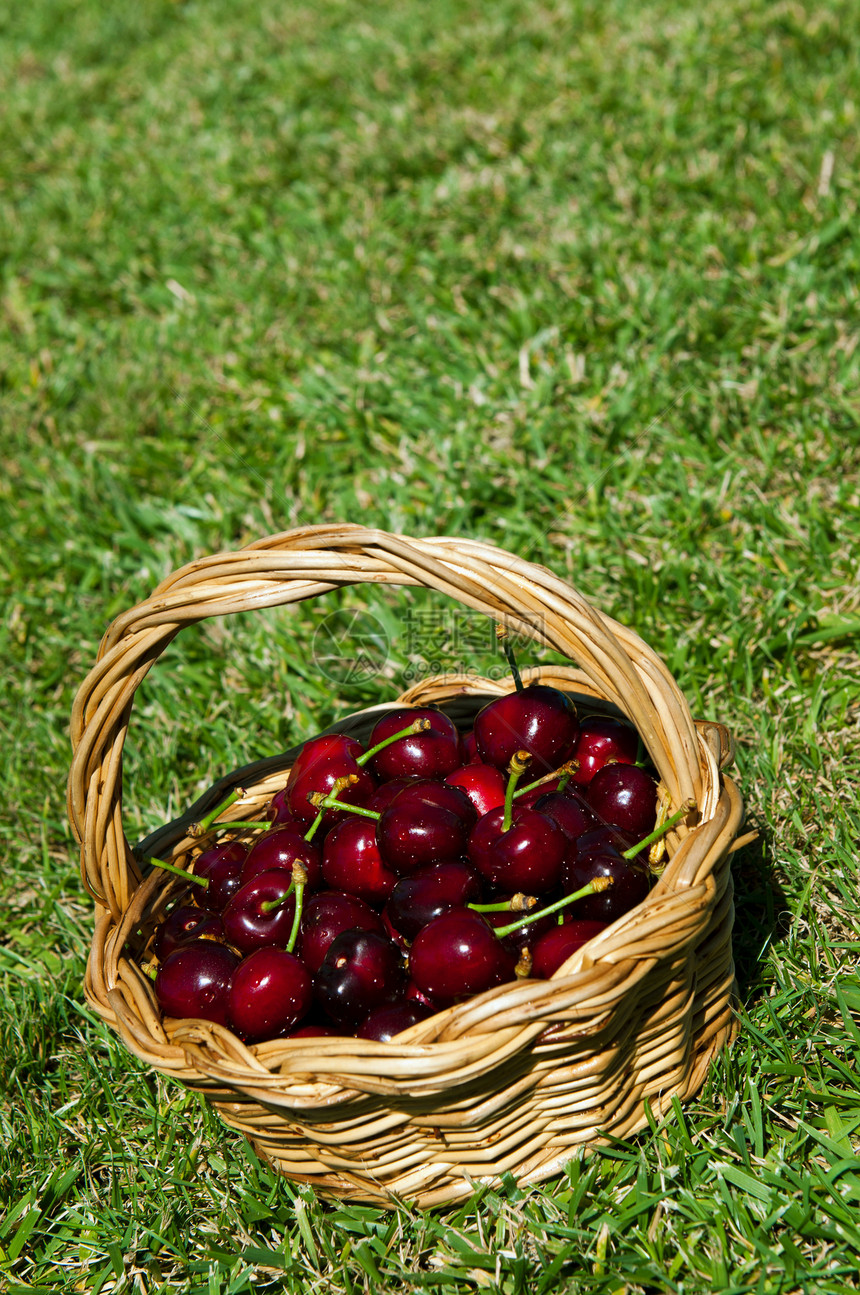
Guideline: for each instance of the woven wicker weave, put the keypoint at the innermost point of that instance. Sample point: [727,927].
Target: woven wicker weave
[513,1080]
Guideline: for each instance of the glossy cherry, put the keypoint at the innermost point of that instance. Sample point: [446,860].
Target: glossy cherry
[457,955]
[362,970]
[386,791]
[248,925]
[527,856]
[428,892]
[539,719]
[624,796]
[631,882]
[194,980]
[568,811]
[222,868]
[327,915]
[556,945]
[384,1023]
[484,784]
[601,739]
[352,861]
[282,848]
[185,923]
[432,753]
[428,822]
[270,993]
[277,811]
[322,762]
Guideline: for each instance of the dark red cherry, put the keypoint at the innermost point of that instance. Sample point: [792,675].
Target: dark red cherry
[186,923]
[540,720]
[384,1023]
[556,945]
[428,822]
[194,980]
[526,857]
[429,892]
[430,754]
[458,955]
[247,925]
[385,793]
[470,748]
[312,1032]
[321,762]
[327,915]
[278,813]
[569,812]
[281,849]
[631,884]
[626,797]
[270,993]
[415,995]
[361,971]
[222,868]
[602,739]
[352,861]
[484,784]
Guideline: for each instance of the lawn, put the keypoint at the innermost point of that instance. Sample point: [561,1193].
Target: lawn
[578,279]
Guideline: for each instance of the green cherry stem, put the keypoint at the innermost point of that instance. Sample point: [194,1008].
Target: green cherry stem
[269,905]
[417,726]
[203,825]
[179,872]
[502,636]
[659,832]
[240,825]
[519,762]
[563,773]
[518,903]
[300,880]
[593,888]
[319,801]
[312,830]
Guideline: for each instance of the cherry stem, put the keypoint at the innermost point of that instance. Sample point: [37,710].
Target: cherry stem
[563,773]
[310,833]
[659,832]
[203,825]
[519,761]
[237,823]
[594,887]
[502,636]
[300,880]
[518,903]
[417,726]
[179,872]
[320,801]
[269,905]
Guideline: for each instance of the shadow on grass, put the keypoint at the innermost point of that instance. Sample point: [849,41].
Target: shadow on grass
[762,914]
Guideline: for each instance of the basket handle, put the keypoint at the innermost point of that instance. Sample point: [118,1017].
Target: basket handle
[303,563]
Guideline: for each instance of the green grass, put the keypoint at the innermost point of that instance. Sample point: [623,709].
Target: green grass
[579,279]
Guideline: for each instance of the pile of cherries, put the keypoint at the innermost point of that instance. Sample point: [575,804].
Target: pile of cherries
[395,880]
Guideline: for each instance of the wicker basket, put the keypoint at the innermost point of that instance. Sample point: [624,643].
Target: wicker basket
[514,1080]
